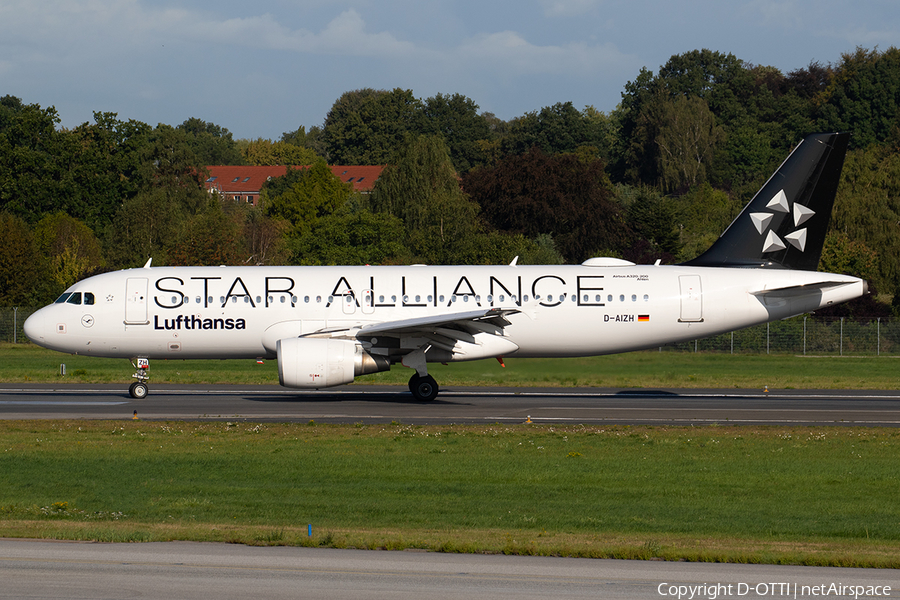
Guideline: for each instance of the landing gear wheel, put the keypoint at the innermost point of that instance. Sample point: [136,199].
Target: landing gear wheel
[424,389]
[138,390]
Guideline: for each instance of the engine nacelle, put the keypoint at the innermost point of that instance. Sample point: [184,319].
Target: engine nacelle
[313,363]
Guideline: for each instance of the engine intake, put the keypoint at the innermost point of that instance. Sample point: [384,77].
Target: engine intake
[313,363]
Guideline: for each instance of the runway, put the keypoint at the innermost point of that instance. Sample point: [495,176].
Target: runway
[371,404]
[187,570]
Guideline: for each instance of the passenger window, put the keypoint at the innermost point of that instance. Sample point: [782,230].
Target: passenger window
[75,298]
[89,298]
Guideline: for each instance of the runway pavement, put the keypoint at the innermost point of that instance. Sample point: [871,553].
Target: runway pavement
[352,404]
[188,571]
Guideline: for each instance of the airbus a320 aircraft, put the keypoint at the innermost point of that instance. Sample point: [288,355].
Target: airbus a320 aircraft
[328,325]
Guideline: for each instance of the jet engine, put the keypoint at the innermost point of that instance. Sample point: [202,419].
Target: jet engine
[312,363]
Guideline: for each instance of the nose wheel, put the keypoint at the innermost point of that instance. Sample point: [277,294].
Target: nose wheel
[138,390]
[423,388]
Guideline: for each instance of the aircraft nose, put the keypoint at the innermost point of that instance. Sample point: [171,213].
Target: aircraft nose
[35,327]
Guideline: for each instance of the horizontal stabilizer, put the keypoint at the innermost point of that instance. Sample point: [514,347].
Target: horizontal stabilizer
[796,291]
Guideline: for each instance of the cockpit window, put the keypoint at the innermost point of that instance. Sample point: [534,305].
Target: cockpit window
[75,298]
[89,298]
[63,298]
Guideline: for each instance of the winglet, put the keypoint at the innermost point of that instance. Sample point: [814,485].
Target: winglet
[784,226]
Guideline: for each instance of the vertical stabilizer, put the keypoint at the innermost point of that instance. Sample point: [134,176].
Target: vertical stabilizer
[784,226]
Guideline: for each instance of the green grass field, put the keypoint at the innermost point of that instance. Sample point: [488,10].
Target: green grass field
[820,495]
[650,369]
[823,495]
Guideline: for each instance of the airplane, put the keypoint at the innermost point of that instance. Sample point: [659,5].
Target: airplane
[328,325]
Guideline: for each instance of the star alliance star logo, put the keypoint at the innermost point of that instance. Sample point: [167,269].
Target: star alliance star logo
[797,238]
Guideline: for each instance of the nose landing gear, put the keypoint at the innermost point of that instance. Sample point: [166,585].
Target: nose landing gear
[139,390]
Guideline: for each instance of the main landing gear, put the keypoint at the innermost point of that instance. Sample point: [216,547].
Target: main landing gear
[423,388]
[139,390]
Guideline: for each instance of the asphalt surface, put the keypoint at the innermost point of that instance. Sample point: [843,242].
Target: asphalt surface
[353,404]
[188,571]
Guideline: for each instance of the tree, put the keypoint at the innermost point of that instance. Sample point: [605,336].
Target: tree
[146,226]
[864,96]
[867,209]
[420,187]
[653,217]
[456,119]
[302,196]
[265,152]
[19,262]
[70,247]
[687,139]
[365,127]
[212,144]
[556,129]
[311,139]
[349,237]
[212,237]
[561,195]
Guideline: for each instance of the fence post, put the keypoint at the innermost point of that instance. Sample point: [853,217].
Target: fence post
[842,336]
[15,324]
[804,335]
[767,338]
[878,339]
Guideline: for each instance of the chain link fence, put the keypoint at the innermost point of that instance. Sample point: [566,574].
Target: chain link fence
[11,321]
[800,335]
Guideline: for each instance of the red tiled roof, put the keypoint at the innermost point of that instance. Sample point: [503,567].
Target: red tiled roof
[249,180]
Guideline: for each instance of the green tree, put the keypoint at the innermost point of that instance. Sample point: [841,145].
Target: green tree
[653,217]
[867,209]
[302,196]
[687,140]
[864,96]
[421,188]
[212,237]
[702,214]
[556,129]
[19,263]
[212,144]
[69,246]
[349,237]
[146,226]
[365,127]
[455,118]
[311,139]
[266,152]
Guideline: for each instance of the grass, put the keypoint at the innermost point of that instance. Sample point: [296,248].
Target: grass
[21,363]
[822,495]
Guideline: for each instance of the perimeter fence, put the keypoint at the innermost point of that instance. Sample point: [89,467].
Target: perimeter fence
[799,335]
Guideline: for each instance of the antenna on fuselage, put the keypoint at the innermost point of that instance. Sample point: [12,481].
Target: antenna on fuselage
[149,260]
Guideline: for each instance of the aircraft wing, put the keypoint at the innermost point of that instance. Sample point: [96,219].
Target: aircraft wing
[472,334]
[491,320]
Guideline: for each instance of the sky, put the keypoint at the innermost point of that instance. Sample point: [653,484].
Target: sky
[267,67]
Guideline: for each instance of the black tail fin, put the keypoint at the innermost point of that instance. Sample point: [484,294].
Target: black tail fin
[784,226]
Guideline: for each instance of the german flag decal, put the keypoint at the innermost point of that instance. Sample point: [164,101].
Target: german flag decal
[643,318]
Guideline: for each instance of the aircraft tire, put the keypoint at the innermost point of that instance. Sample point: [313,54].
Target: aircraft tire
[138,390]
[424,389]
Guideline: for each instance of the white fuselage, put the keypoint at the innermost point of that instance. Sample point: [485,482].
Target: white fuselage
[242,312]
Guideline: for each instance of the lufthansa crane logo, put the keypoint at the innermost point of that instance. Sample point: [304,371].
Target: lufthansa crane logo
[780,204]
